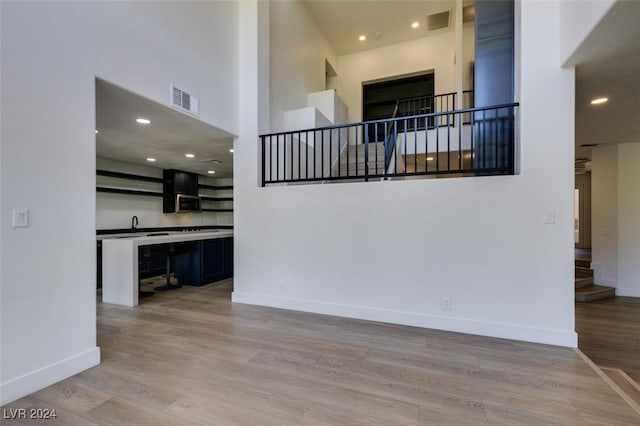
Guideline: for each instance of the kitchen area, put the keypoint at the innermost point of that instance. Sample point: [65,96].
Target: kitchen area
[164,196]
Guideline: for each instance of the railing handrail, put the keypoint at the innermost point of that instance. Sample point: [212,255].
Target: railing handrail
[383,120]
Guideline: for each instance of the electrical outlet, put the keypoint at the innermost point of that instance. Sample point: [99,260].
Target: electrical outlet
[446,303]
[20,218]
[283,288]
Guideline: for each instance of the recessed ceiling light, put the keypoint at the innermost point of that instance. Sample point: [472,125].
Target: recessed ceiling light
[151,159]
[598,101]
[143,121]
[211,172]
[189,155]
[231,150]
[362,37]
[415,25]
[429,158]
[96,132]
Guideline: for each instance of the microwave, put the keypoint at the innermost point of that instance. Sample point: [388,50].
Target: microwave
[187,203]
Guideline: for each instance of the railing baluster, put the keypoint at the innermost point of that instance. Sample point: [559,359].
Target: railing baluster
[415,145]
[384,142]
[448,143]
[394,146]
[347,143]
[262,139]
[365,129]
[496,162]
[331,153]
[321,153]
[306,157]
[484,140]
[339,148]
[426,149]
[375,130]
[299,154]
[472,119]
[460,150]
[437,130]
[356,148]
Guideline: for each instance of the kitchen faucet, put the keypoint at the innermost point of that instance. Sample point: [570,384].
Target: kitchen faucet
[134,223]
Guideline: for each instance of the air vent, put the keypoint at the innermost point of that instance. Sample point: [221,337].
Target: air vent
[211,160]
[184,101]
[591,145]
[438,21]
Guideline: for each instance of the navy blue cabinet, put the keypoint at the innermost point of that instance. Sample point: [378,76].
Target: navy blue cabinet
[205,261]
[152,260]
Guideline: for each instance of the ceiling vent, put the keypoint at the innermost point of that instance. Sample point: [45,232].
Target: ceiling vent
[438,21]
[184,101]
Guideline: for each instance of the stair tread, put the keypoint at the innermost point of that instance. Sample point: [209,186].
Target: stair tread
[594,289]
[581,282]
[583,272]
[594,292]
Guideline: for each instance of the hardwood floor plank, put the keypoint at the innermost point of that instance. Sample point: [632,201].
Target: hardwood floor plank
[609,333]
[190,356]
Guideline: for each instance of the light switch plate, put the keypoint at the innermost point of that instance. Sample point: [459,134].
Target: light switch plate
[20,218]
[549,218]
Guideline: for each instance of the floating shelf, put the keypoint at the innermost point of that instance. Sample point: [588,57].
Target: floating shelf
[128,191]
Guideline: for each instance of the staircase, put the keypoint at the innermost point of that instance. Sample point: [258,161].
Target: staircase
[586,290]
[352,164]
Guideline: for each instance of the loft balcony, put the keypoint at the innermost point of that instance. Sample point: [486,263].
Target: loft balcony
[425,137]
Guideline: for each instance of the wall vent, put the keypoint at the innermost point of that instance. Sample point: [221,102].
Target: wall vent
[184,101]
[438,21]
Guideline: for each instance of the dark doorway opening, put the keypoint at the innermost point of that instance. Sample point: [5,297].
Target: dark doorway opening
[379,99]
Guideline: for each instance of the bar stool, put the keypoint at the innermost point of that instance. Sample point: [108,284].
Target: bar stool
[169,250]
[146,256]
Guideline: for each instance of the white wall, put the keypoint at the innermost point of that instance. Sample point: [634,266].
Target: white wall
[435,53]
[615,213]
[51,55]
[629,220]
[298,54]
[604,215]
[577,19]
[391,251]
[114,211]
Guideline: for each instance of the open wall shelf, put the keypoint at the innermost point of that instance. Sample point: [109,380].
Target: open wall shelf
[132,177]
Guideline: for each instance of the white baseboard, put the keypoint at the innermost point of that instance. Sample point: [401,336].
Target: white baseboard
[34,381]
[460,325]
[628,291]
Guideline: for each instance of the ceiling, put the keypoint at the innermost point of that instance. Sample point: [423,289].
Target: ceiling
[608,65]
[383,22]
[170,135]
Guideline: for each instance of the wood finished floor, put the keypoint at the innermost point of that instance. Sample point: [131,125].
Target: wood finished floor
[609,333]
[191,357]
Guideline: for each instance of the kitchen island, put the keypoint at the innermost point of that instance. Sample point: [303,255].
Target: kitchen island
[120,260]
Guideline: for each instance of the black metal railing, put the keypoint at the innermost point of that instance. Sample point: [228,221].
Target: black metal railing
[409,107]
[483,145]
